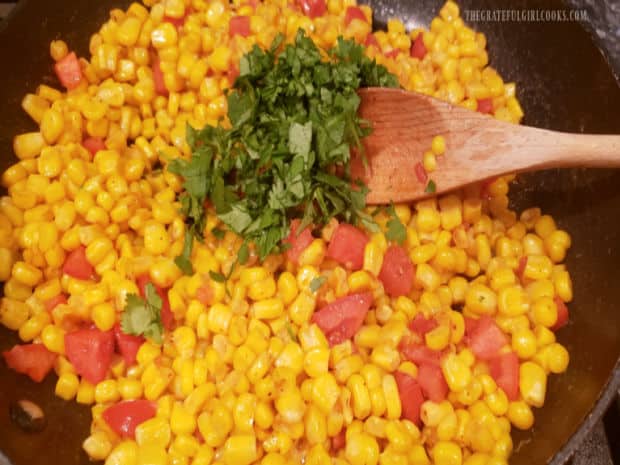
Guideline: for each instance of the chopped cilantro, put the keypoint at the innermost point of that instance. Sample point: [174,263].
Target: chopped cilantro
[143,316]
[396,231]
[430,187]
[218,233]
[317,282]
[219,277]
[184,261]
[294,119]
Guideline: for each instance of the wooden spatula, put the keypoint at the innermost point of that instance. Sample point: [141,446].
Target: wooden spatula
[478,146]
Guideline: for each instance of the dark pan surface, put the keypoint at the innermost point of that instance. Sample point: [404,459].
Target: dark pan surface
[563,84]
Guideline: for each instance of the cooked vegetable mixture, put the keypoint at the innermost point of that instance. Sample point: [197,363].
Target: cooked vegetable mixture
[182,245]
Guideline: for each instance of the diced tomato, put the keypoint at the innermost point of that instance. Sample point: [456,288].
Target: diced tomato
[158,77]
[205,294]
[420,173]
[77,265]
[93,145]
[90,351]
[470,325]
[339,441]
[33,360]
[127,345]
[521,267]
[354,12]
[341,319]
[233,73]
[421,325]
[298,241]
[486,340]
[433,384]
[397,271]
[313,8]
[420,354]
[485,186]
[167,317]
[51,304]
[239,25]
[411,397]
[418,49]
[176,22]
[371,40]
[392,53]
[505,371]
[125,416]
[347,246]
[68,71]
[484,105]
[562,314]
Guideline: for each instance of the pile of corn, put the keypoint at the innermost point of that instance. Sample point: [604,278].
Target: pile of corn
[246,378]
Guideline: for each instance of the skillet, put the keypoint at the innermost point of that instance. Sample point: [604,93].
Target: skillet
[563,83]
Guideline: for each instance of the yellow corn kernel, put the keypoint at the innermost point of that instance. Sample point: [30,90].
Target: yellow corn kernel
[98,446]
[125,453]
[362,449]
[325,392]
[106,391]
[391,396]
[26,274]
[28,145]
[438,338]
[182,421]
[513,301]
[524,343]
[532,384]
[67,386]
[155,431]
[240,450]
[457,373]
[520,415]
[85,393]
[480,300]
[438,145]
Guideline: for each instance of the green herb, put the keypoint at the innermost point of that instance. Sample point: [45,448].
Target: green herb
[243,254]
[294,120]
[430,187]
[291,332]
[219,277]
[396,231]
[317,282]
[184,261]
[218,233]
[143,316]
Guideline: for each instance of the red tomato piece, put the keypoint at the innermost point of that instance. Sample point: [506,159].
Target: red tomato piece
[470,325]
[418,49]
[93,145]
[392,53]
[239,25]
[371,40]
[433,384]
[397,271]
[205,294]
[422,325]
[51,304]
[69,71]
[298,241]
[339,441]
[341,319]
[233,73]
[176,22]
[158,77]
[411,397]
[313,8]
[484,105]
[354,12]
[90,352]
[505,371]
[420,173]
[125,416]
[420,354]
[33,360]
[486,340]
[127,345]
[167,317]
[347,246]
[521,267]
[562,314]
[77,265]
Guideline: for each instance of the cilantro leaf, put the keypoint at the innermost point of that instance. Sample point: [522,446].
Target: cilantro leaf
[431,187]
[143,316]
[294,122]
[184,261]
[218,277]
[397,231]
[317,282]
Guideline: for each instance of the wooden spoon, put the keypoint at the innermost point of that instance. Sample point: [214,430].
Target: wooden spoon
[478,146]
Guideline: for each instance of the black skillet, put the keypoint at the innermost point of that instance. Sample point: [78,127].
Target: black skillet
[563,84]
